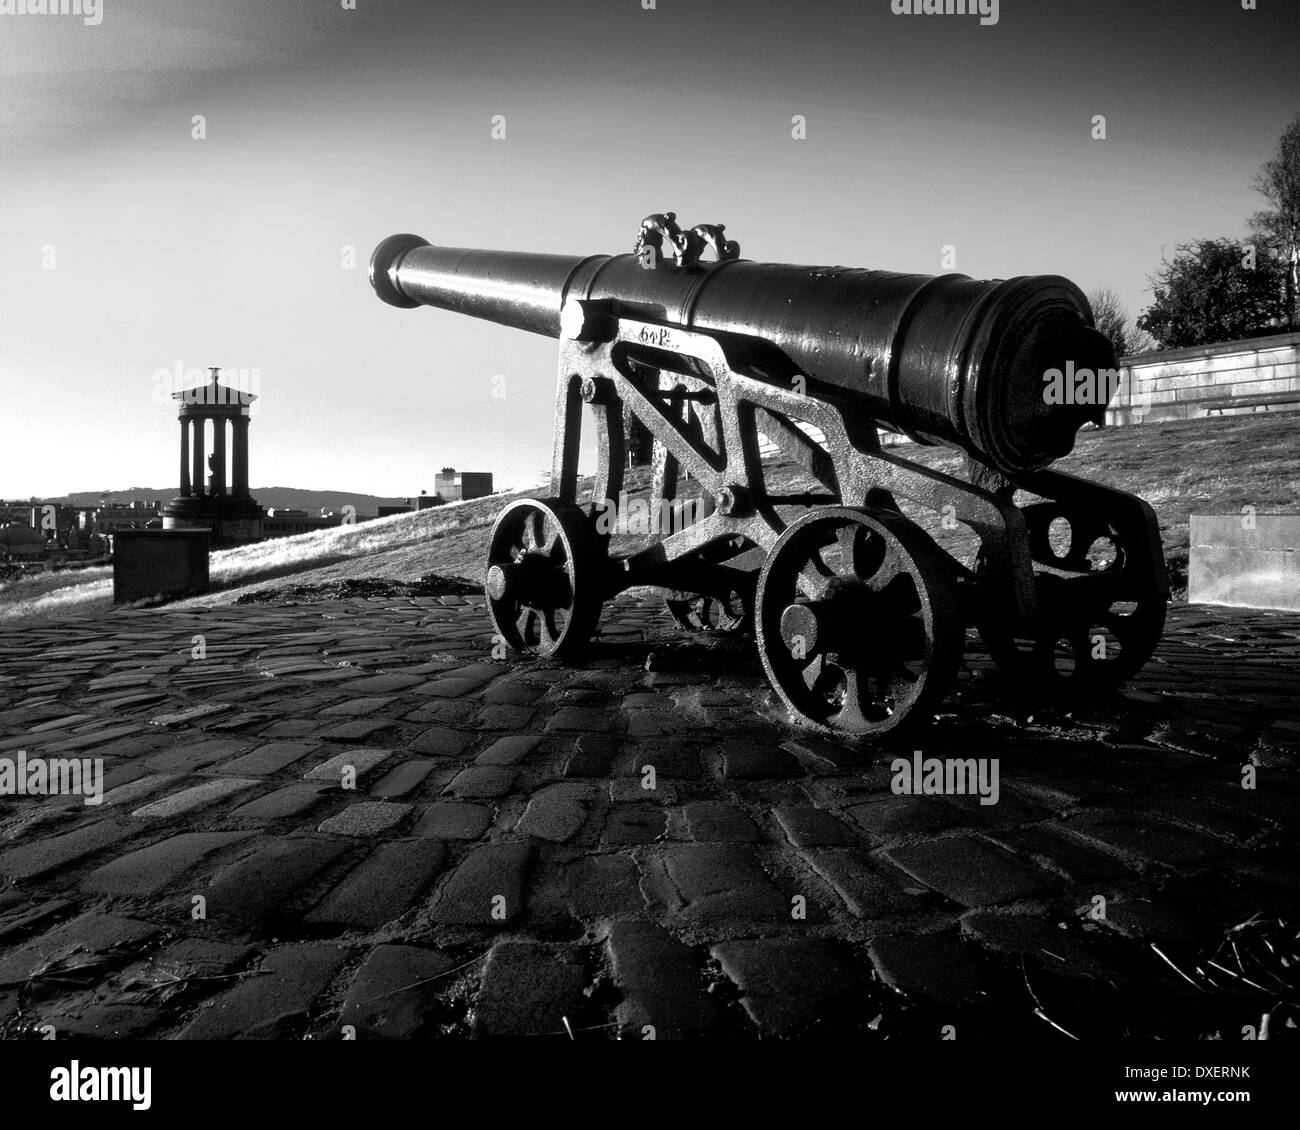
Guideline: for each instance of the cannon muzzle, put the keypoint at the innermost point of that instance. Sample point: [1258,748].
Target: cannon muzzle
[1007,370]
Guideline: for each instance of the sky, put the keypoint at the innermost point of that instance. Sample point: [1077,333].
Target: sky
[131,250]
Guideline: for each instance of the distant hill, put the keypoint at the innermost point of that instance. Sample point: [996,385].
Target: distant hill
[289,497]
[1209,465]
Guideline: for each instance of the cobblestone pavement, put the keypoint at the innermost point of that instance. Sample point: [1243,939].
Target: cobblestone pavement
[346,819]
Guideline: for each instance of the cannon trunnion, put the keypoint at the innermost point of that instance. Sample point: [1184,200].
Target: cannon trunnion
[859,616]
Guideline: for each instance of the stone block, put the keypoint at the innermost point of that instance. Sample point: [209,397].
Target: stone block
[149,563]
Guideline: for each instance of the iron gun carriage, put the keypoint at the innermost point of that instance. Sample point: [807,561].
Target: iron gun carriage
[860,617]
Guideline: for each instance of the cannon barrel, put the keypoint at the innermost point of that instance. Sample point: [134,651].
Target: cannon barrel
[943,358]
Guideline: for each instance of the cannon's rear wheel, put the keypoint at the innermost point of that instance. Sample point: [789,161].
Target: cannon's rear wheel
[543,577]
[1085,639]
[1097,625]
[857,621]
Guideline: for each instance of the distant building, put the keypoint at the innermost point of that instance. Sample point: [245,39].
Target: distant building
[52,519]
[451,485]
[58,529]
[427,500]
[15,512]
[50,531]
[114,516]
[20,542]
[283,522]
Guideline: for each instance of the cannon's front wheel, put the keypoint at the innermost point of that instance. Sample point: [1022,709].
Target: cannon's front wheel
[857,621]
[543,577]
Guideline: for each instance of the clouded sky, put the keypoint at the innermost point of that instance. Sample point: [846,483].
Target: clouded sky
[329,128]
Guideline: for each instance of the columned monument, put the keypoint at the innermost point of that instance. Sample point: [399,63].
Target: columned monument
[214,501]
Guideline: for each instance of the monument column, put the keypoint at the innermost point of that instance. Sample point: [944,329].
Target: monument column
[218,455]
[185,458]
[198,455]
[225,508]
[239,454]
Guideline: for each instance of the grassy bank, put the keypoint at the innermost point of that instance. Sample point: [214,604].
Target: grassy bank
[1208,466]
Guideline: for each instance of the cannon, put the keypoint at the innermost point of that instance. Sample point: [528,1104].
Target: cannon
[860,617]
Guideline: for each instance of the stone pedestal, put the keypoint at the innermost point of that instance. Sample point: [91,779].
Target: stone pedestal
[1245,561]
[151,563]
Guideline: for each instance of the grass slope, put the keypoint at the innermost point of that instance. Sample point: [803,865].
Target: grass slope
[1206,466]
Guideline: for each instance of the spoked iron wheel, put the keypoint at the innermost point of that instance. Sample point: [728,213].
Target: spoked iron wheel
[543,577]
[857,621]
[1085,639]
[1094,630]
[711,613]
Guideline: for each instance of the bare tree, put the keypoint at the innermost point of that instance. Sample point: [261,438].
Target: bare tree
[1278,227]
[1112,320]
[1139,341]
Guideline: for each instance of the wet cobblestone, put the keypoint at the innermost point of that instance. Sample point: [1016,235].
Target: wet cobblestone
[387,829]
